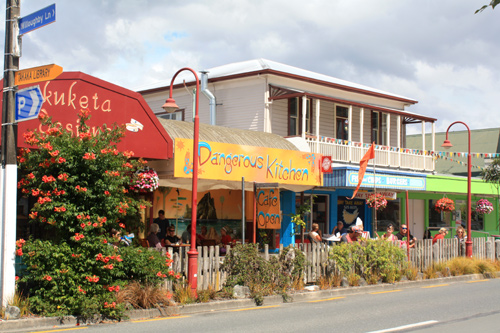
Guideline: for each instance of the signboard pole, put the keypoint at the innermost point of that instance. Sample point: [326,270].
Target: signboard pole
[8,193]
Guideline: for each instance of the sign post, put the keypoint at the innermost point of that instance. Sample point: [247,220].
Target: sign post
[28,103]
[37,74]
[37,19]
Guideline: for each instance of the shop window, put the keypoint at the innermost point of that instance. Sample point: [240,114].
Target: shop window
[342,122]
[438,219]
[375,127]
[389,215]
[295,116]
[477,220]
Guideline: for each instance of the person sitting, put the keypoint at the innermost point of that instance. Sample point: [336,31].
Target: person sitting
[212,234]
[186,235]
[402,235]
[352,235]
[442,232]
[172,239]
[225,237]
[339,230]
[202,235]
[460,234]
[152,237]
[163,223]
[314,235]
[389,236]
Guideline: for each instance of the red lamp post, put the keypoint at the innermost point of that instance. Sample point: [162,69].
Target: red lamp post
[170,107]
[447,144]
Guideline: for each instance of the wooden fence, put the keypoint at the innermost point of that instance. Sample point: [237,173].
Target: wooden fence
[423,255]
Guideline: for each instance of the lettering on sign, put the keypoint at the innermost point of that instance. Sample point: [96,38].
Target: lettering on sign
[268,209]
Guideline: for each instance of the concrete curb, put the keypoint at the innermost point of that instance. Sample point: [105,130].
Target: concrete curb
[70,321]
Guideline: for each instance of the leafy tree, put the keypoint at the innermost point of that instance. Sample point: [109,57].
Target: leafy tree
[80,189]
[493,3]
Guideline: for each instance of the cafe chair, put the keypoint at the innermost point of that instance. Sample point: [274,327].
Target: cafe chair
[208,242]
[144,242]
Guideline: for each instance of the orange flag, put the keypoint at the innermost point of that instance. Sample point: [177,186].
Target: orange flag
[362,167]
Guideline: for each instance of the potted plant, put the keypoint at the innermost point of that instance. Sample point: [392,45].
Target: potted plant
[444,205]
[377,201]
[483,206]
[145,180]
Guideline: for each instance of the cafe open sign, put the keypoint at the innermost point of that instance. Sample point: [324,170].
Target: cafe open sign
[268,209]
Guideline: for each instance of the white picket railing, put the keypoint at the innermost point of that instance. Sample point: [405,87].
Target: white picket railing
[390,157]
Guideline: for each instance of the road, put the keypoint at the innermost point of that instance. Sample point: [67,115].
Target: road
[451,307]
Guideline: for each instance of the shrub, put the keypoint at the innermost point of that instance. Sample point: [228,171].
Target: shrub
[80,188]
[371,260]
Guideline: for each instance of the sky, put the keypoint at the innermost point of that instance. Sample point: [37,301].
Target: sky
[437,52]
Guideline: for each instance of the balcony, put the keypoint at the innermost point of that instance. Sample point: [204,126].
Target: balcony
[387,157]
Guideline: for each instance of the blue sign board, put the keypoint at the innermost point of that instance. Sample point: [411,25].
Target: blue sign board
[37,19]
[28,103]
[386,181]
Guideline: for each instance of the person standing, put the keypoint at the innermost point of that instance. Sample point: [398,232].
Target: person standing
[162,222]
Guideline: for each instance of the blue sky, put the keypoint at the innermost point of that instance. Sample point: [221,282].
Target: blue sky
[437,52]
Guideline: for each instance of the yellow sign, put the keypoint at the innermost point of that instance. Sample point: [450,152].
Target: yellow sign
[268,209]
[224,161]
[37,74]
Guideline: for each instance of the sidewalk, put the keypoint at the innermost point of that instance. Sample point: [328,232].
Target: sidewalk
[31,324]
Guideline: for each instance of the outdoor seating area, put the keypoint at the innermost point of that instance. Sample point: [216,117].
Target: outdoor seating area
[422,255]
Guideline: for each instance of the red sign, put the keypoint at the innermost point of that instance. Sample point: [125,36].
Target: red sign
[71,92]
[326,164]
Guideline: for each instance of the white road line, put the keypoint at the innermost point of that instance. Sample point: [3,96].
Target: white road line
[395,329]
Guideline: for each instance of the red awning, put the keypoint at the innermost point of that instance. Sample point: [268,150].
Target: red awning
[70,92]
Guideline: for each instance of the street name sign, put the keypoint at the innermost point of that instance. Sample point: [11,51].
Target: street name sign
[37,19]
[37,74]
[28,103]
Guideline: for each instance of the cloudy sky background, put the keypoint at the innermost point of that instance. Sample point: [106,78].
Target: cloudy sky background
[435,51]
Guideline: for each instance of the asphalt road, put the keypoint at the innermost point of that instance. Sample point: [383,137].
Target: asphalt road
[449,307]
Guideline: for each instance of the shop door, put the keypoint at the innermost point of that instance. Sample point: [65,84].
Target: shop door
[417,217]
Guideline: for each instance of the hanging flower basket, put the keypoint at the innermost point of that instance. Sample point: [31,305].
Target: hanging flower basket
[145,180]
[444,205]
[376,201]
[483,206]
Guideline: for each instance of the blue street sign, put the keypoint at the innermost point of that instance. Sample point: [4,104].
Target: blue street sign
[37,19]
[28,103]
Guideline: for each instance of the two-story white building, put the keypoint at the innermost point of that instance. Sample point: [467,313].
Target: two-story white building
[319,114]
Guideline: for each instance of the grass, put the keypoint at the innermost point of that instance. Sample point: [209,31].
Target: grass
[18,300]
[183,293]
[144,296]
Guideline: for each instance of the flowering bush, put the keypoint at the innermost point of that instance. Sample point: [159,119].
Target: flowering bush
[80,189]
[483,206]
[145,181]
[444,205]
[376,200]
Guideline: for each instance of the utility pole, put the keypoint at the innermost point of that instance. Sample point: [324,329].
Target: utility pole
[8,177]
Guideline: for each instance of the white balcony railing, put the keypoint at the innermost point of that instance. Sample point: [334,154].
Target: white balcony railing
[388,157]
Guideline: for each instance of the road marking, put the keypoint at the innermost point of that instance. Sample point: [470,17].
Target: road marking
[62,329]
[399,328]
[155,319]
[385,292]
[436,285]
[477,281]
[327,299]
[257,308]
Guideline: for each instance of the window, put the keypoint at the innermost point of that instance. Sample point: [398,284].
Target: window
[295,116]
[384,131]
[177,115]
[342,122]
[375,127]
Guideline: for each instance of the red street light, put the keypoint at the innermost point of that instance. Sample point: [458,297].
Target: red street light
[170,107]
[447,144]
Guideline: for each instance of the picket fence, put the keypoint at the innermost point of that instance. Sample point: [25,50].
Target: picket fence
[423,255]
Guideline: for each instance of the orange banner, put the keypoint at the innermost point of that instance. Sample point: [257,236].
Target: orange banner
[268,209]
[224,161]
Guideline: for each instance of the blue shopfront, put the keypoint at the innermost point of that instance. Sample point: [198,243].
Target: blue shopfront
[332,202]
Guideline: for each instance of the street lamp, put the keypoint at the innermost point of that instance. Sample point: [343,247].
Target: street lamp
[447,144]
[170,107]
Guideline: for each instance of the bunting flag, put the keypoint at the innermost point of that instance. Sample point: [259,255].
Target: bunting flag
[370,154]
